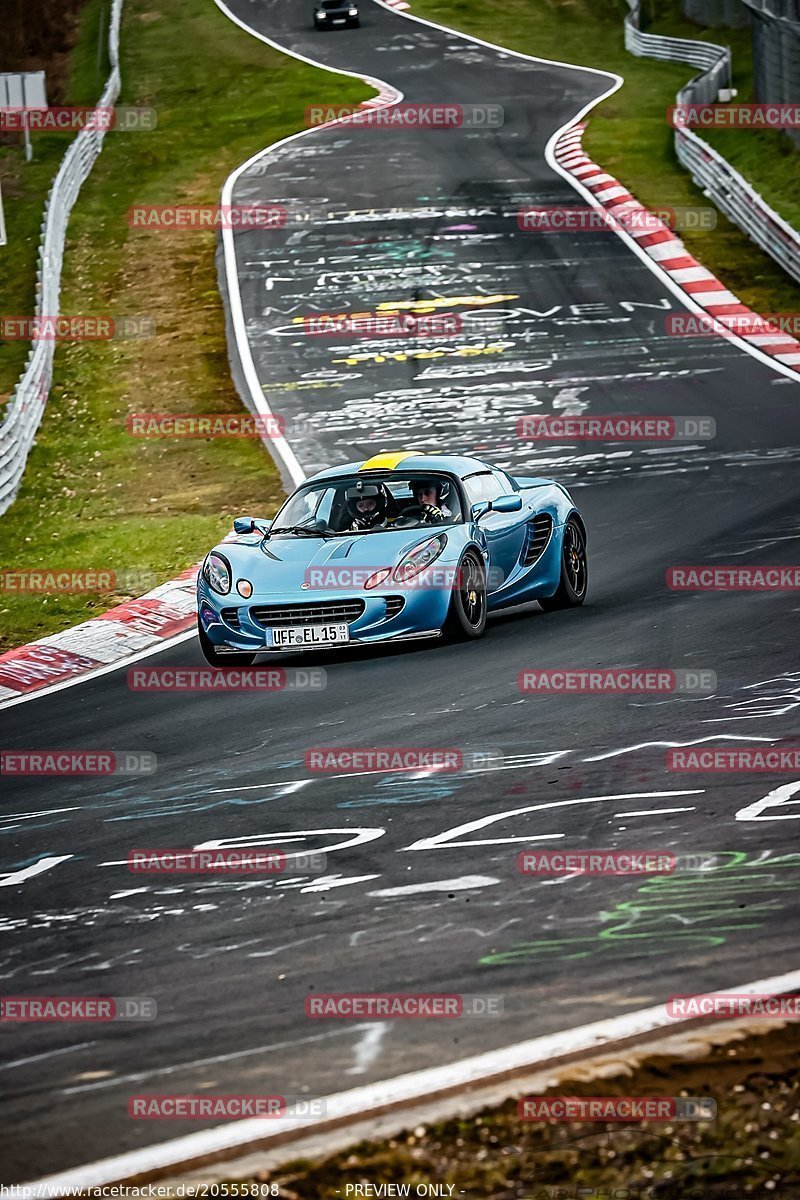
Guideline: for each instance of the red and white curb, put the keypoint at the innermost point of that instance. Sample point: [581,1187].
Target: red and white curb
[668,252]
[400,5]
[129,630]
[386,95]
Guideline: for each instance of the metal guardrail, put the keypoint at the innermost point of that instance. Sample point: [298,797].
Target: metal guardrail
[26,406]
[731,193]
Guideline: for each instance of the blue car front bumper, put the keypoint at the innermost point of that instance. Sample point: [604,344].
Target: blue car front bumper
[233,624]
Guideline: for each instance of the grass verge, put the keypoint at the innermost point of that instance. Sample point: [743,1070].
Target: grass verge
[92,496]
[751,1149]
[628,134]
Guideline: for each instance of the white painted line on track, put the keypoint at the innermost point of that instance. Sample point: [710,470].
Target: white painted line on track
[653,812]
[464,884]
[32,1058]
[714,737]
[194,1064]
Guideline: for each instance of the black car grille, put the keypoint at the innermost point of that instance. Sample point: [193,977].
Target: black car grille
[394,605]
[231,617]
[308,614]
[537,535]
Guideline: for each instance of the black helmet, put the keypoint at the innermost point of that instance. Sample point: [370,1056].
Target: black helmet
[366,491]
[439,485]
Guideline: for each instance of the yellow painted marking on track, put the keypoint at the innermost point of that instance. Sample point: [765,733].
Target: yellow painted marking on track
[428,306]
[354,360]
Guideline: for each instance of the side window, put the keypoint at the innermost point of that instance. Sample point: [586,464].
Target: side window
[504,482]
[484,486]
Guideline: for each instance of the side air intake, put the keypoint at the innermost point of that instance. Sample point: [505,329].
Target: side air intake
[537,536]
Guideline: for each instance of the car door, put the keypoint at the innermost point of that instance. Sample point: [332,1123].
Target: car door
[504,532]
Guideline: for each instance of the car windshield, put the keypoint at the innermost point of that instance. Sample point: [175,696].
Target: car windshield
[369,504]
[334,4]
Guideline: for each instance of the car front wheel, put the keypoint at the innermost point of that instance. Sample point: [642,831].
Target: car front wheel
[467,616]
[215,659]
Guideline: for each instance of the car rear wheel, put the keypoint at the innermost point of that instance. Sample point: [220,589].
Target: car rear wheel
[574,570]
[215,659]
[467,616]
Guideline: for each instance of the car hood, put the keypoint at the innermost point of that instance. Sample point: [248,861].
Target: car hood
[274,564]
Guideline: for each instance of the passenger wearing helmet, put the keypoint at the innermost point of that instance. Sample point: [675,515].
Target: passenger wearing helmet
[366,506]
[428,495]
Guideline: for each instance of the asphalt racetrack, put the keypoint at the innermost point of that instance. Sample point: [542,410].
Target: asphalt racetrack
[423,891]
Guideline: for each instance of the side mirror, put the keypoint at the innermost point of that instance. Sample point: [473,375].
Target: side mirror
[251,525]
[507,504]
[503,504]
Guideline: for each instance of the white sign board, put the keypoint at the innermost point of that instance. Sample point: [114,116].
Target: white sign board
[23,90]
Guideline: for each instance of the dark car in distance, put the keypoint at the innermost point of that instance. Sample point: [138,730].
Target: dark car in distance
[335,12]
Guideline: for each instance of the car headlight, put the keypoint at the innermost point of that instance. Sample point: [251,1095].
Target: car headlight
[217,573]
[419,558]
[322,15]
[352,12]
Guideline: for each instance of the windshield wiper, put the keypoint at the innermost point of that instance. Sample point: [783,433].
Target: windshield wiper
[308,530]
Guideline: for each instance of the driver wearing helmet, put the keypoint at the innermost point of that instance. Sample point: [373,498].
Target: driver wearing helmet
[428,495]
[367,505]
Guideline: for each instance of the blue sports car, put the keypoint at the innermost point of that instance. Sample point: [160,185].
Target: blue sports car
[405,545]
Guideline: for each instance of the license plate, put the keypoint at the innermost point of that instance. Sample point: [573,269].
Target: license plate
[308,635]
[338,20]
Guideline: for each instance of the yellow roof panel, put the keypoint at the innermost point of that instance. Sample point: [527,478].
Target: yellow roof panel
[387,460]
